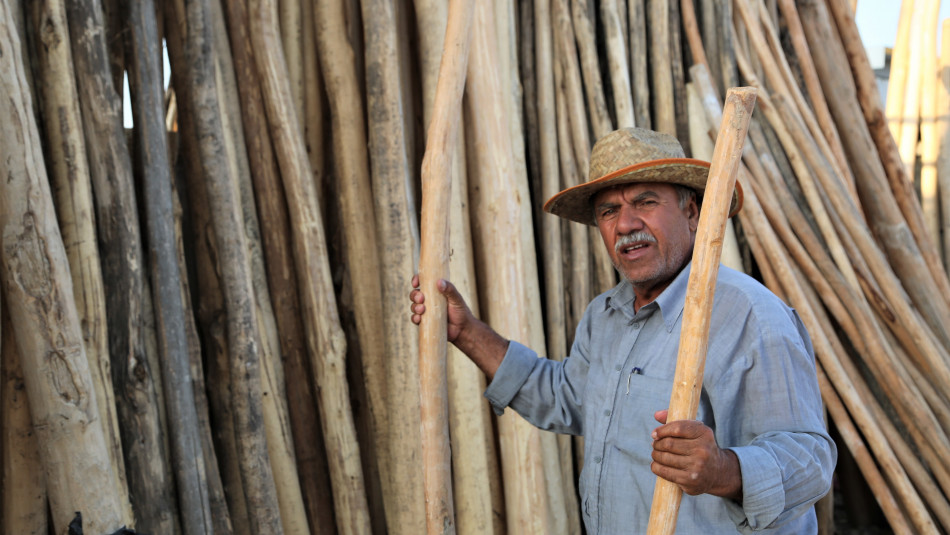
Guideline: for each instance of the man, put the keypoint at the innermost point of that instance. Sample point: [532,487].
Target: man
[758,456]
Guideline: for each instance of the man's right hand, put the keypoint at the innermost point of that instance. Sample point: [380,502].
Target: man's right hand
[457,312]
[472,336]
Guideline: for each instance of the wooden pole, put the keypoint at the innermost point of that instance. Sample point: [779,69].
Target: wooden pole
[325,339]
[478,498]
[274,401]
[687,380]
[929,144]
[590,68]
[39,296]
[497,210]
[433,265]
[23,482]
[661,73]
[135,381]
[618,65]
[891,212]
[282,276]
[71,186]
[943,132]
[186,456]
[639,71]
[897,76]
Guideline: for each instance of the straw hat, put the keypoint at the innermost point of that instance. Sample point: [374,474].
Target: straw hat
[633,155]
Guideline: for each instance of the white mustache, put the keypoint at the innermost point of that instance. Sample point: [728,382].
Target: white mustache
[633,237]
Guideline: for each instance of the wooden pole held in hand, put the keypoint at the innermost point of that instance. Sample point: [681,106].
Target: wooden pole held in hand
[694,337]
[433,265]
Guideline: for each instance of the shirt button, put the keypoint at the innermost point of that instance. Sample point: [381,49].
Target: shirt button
[597,459]
[636,325]
[606,412]
[619,367]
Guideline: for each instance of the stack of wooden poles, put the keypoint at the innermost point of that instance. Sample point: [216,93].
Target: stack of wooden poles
[205,321]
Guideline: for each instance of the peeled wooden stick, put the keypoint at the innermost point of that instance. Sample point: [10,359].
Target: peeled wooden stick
[433,264]
[691,360]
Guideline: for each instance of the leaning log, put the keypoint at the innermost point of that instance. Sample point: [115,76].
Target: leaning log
[325,339]
[39,295]
[136,383]
[282,277]
[186,457]
[69,179]
[23,483]
[497,212]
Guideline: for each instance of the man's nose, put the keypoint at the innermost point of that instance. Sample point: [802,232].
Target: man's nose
[629,220]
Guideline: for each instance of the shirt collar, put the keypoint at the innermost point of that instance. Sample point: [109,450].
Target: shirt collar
[670,301]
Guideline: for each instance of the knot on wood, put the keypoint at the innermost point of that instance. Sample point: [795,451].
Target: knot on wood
[62,369]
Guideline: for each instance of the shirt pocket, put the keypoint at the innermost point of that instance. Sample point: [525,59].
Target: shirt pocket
[635,407]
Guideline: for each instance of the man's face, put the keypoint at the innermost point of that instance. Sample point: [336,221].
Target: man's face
[648,236]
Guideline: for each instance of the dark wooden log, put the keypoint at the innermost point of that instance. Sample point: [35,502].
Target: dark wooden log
[110,167]
[186,455]
[282,276]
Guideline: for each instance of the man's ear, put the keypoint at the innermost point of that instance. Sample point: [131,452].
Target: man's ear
[692,213]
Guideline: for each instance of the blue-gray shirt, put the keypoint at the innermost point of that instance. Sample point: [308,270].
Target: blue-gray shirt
[760,395]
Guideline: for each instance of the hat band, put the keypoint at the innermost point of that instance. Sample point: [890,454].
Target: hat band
[651,163]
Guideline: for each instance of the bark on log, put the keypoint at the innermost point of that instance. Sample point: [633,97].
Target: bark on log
[70,183]
[23,487]
[186,457]
[639,71]
[134,381]
[423,497]
[586,44]
[661,74]
[276,420]
[906,254]
[243,334]
[211,318]
[901,185]
[282,276]
[39,296]
[325,340]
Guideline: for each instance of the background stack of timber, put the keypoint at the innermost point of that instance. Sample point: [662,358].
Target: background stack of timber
[204,317]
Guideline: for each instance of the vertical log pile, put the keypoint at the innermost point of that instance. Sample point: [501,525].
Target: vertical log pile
[203,310]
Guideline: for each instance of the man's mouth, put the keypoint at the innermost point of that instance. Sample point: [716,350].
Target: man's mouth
[630,243]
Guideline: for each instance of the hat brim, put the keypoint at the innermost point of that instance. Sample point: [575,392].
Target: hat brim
[574,203]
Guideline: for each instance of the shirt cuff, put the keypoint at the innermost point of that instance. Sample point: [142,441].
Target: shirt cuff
[763,496]
[512,373]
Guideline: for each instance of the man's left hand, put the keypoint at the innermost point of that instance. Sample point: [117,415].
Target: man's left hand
[685,452]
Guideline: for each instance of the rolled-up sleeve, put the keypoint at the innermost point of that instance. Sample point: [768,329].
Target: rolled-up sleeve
[511,375]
